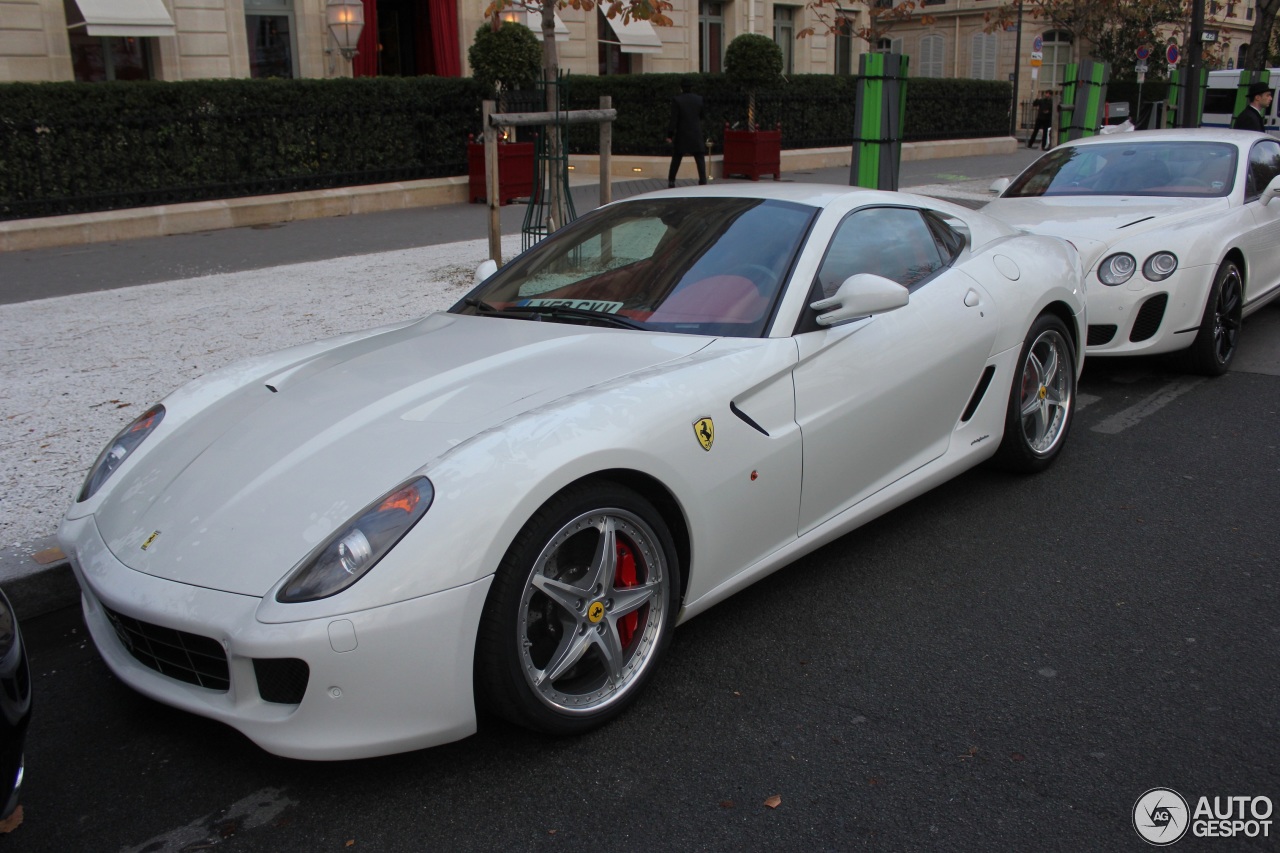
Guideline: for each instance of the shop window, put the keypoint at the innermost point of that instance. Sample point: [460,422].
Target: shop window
[97,58]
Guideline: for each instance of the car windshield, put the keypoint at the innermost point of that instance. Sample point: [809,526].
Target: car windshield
[693,265]
[1185,169]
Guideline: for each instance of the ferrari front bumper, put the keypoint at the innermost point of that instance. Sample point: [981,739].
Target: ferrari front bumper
[378,681]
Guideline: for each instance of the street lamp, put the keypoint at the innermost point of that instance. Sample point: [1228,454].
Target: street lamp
[346,21]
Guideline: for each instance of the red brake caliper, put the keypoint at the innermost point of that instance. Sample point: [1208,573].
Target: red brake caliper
[625,576]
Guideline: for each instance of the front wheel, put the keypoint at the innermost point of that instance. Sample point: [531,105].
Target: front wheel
[580,610]
[1214,348]
[1042,400]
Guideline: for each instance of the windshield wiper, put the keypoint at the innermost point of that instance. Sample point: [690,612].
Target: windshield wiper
[569,311]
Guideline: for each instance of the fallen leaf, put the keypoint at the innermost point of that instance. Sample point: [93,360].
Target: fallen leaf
[726,804]
[12,822]
[773,802]
[350,843]
[1017,756]
[551,832]
[873,781]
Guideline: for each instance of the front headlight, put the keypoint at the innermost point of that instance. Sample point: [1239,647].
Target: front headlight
[1117,269]
[119,448]
[1160,266]
[357,546]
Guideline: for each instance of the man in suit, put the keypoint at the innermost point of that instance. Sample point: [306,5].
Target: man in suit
[684,131]
[1253,116]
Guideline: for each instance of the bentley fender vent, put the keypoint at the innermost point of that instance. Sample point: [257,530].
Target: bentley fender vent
[1149,317]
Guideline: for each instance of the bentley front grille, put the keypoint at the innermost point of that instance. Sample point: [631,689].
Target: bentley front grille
[187,657]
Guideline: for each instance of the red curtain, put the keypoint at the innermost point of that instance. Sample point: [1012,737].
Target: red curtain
[365,63]
[444,38]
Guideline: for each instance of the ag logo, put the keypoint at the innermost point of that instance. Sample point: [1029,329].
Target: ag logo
[595,612]
[1160,816]
[705,430]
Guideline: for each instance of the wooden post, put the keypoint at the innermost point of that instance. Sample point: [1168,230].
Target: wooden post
[491,183]
[606,153]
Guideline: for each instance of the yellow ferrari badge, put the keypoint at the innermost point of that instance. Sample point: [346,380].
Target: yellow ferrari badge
[1044,392]
[705,430]
[150,539]
[595,612]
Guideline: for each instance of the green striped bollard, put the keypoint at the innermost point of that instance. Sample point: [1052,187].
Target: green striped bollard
[1178,92]
[1083,97]
[878,120]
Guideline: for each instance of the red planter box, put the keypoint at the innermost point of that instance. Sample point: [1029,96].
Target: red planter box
[752,153]
[515,171]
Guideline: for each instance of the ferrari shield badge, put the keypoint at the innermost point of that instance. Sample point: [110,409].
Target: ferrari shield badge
[705,430]
[150,539]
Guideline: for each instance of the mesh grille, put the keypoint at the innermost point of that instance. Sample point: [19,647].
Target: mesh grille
[1149,317]
[1099,335]
[282,681]
[177,654]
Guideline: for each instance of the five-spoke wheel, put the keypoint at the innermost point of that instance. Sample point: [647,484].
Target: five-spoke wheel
[1042,400]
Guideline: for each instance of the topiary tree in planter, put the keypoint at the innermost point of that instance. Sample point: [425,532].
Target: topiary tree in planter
[753,61]
[506,58]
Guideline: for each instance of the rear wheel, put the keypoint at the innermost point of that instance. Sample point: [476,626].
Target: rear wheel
[1042,400]
[1214,348]
[579,612]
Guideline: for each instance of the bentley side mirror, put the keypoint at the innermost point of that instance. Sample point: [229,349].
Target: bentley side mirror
[1272,191]
[487,268]
[999,185]
[858,296]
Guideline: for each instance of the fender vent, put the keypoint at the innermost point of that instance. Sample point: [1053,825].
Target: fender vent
[1099,335]
[282,681]
[1149,317]
[978,393]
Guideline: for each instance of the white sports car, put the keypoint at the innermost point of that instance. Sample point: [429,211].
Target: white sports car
[344,548]
[1177,229]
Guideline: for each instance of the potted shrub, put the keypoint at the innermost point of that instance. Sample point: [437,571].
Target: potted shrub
[504,59]
[753,62]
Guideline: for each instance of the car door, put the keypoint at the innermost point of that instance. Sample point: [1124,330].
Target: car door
[878,397]
[1261,246]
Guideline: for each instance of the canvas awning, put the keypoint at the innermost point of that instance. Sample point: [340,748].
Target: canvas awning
[635,36]
[532,18]
[120,17]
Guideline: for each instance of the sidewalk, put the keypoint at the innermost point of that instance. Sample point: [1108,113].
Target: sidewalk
[94,333]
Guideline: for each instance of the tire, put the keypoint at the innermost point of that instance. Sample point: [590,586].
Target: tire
[574,626]
[1042,399]
[1214,348]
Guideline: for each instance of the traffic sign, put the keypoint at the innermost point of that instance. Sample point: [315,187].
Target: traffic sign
[1171,55]
[1140,67]
[1144,52]
[1037,45]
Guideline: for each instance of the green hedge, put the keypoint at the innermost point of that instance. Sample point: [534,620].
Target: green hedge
[68,147]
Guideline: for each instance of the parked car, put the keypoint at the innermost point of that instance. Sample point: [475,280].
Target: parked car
[15,708]
[343,548]
[1177,229]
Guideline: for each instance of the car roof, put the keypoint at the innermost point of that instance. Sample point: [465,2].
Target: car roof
[815,195]
[1240,138]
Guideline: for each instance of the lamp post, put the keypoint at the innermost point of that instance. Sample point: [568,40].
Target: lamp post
[346,21]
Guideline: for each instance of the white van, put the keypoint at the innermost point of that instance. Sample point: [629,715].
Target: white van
[1220,100]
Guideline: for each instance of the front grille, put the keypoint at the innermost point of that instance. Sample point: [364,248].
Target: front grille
[1149,317]
[1099,335]
[282,681]
[177,654]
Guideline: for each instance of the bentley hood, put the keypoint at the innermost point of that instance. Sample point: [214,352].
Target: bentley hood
[234,496]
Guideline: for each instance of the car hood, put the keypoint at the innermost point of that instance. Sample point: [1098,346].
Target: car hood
[1094,222]
[235,496]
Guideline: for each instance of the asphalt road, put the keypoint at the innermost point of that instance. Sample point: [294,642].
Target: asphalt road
[41,273]
[1005,663]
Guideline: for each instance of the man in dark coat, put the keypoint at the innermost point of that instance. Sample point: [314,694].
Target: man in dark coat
[1253,116]
[684,132]
[1044,119]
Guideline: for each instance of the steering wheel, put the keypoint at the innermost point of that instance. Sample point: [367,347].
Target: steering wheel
[763,277]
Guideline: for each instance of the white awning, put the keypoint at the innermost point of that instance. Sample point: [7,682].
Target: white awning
[532,18]
[635,36]
[121,18]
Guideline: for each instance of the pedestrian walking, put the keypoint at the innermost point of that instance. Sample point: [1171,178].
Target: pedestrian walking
[684,132]
[1044,119]
[1253,116]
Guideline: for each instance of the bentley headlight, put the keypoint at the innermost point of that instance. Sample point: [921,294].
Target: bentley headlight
[1117,269]
[1160,266]
[357,546]
[119,449]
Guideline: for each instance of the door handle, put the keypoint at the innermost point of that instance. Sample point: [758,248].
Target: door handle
[971,298]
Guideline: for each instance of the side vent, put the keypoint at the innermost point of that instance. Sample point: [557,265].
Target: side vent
[978,393]
[733,407]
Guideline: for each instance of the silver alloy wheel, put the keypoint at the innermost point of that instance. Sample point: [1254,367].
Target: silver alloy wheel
[1047,392]
[592,611]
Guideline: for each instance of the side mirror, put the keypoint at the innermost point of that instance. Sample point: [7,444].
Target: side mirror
[858,296]
[999,185]
[1272,191]
[487,268]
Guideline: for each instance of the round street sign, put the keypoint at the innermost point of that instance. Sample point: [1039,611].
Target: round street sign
[1144,52]
[1038,44]
[1171,55]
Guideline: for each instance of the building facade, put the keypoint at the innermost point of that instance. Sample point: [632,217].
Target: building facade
[91,40]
